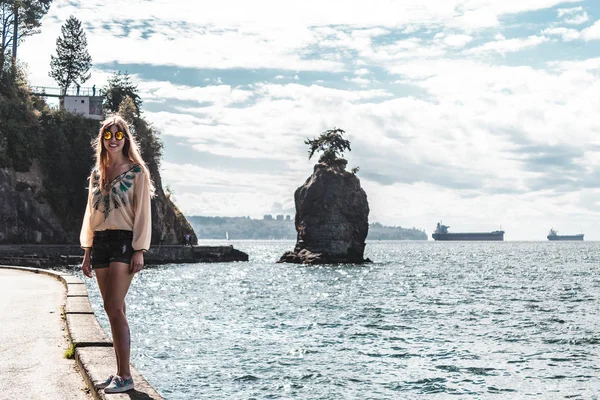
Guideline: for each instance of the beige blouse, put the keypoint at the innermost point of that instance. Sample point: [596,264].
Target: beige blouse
[124,204]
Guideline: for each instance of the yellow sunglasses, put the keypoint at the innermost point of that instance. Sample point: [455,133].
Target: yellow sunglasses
[118,135]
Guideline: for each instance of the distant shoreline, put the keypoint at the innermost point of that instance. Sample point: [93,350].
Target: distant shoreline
[281,227]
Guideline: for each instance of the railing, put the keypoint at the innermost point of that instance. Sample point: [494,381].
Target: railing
[57,92]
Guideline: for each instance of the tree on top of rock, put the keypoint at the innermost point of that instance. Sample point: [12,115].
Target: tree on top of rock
[331,143]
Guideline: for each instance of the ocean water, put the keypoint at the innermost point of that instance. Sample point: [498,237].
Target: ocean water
[435,320]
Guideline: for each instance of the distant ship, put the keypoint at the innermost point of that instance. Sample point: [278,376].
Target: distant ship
[553,235]
[441,233]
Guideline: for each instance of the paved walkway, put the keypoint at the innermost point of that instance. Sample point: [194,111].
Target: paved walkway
[33,338]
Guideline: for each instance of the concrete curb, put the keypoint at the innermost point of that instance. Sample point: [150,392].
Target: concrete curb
[93,349]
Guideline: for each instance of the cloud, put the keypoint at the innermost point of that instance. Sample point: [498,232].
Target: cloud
[457,40]
[477,19]
[508,45]
[465,138]
[236,35]
[362,71]
[573,16]
[578,20]
[567,34]
[592,33]
[363,82]
[223,95]
[376,13]
[569,11]
[207,191]
[474,120]
[588,65]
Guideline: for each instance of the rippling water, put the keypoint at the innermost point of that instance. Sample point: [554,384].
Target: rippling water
[466,320]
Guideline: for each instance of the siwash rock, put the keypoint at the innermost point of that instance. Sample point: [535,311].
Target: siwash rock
[331,217]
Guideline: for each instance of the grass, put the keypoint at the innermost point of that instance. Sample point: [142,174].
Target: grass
[70,352]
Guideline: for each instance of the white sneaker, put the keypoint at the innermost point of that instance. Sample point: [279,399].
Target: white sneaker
[118,385]
[104,384]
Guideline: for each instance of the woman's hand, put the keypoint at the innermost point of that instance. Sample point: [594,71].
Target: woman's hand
[85,265]
[137,261]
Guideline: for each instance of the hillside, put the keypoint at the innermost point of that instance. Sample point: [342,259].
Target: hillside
[45,160]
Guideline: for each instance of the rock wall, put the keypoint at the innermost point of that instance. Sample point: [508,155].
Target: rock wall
[27,217]
[169,225]
[331,217]
[24,215]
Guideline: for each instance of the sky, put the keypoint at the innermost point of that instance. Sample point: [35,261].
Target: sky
[482,114]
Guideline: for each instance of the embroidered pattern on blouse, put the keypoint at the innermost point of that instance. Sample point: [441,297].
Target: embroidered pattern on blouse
[115,195]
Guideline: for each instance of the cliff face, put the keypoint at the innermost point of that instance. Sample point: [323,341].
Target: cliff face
[169,225]
[331,217]
[27,217]
[24,215]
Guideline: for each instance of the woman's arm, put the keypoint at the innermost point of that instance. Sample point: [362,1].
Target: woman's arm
[137,262]
[86,237]
[142,223]
[85,265]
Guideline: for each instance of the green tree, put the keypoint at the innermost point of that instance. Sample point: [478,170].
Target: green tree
[18,19]
[19,141]
[118,87]
[150,144]
[127,110]
[72,62]
[331,143]
[65,158]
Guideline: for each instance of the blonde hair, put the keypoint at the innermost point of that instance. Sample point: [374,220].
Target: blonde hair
[131,150]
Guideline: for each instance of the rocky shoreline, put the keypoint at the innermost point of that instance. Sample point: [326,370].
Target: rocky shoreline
[35,255]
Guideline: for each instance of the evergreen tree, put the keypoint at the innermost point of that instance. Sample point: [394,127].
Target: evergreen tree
[151,145]
[118,88]
[73,62]
[127,110]
[331,143]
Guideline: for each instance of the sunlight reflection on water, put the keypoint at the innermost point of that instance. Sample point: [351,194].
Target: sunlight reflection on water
[473,319]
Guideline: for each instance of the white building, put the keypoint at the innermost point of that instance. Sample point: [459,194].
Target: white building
[88,106]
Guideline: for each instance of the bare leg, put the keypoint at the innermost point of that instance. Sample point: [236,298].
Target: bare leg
[118,281]
[102,278]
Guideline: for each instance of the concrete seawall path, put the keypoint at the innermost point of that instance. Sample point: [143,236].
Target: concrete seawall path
[40,317]
[33,339]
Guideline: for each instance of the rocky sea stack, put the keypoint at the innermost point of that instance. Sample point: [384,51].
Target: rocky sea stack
[331,209]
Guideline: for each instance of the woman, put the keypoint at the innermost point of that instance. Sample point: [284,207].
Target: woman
[116,231]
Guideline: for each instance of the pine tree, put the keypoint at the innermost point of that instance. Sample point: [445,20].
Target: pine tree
[73,62]
[128,111]
[118,88]
[331,143]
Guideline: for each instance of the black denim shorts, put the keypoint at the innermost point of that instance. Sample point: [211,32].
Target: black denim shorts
[111,246]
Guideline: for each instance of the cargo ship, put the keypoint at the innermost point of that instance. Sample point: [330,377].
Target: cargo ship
[553,235]
[441,233]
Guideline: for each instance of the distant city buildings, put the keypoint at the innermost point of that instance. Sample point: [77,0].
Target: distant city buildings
[278,217]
